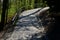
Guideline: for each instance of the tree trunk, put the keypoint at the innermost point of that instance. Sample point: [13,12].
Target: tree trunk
[5,6]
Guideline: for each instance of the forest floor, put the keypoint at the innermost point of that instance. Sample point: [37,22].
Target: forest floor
[27,27]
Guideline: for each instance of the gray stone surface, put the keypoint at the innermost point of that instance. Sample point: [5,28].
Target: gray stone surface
[27,28]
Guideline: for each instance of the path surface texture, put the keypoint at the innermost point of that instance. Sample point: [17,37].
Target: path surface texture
[27,27]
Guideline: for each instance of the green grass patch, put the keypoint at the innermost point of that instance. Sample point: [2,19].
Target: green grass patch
[11,12]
